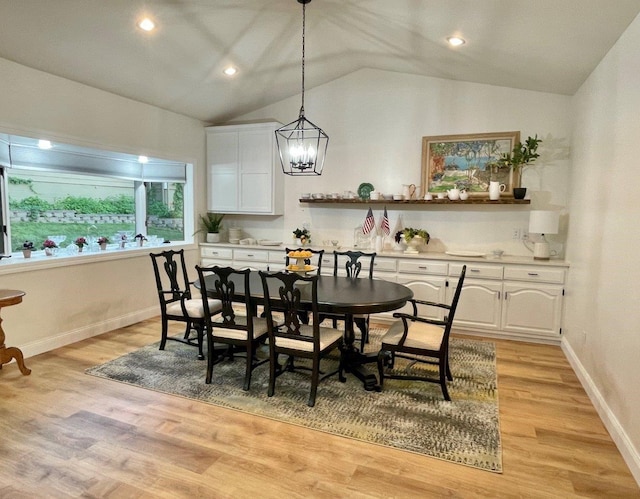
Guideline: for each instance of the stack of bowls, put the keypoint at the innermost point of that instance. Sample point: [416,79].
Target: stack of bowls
[234,235]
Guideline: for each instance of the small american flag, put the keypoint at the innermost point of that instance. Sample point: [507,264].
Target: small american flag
[384,225]
[369,223]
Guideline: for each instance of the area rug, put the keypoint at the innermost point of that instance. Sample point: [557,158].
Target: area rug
[407,415]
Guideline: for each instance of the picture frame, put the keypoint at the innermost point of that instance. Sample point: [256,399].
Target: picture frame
[460,161]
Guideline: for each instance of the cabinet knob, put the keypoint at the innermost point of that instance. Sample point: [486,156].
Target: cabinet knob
[532,273]
[423,267]
[474,270]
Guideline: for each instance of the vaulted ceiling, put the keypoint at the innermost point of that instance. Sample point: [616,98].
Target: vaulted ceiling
[545,45]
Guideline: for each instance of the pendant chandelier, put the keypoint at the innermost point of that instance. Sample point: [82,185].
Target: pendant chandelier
[301,144]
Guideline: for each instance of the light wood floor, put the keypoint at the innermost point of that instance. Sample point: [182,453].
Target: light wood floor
[67,434]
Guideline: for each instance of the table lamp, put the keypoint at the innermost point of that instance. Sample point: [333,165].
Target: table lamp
[543,222]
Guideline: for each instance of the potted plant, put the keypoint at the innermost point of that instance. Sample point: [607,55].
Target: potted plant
[140,239]
[80,242]
[49,247]
[302,236]
[521,156]
[211,224]
[102,242]
[415,239]
[27,248]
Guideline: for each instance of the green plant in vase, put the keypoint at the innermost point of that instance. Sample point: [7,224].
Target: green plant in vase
[520,157]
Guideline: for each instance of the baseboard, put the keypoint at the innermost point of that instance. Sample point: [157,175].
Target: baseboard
[619,436]
[51,343]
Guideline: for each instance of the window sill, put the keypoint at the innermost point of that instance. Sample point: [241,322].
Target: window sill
[38,261]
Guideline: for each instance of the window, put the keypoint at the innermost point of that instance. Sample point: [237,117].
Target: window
[70,192]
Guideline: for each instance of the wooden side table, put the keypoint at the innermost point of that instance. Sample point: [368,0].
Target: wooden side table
[10,297]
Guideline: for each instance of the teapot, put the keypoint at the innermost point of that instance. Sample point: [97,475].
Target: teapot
[464,195]
[453,194]
[408,190]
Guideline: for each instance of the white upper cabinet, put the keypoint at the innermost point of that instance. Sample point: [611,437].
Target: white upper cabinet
[243,170]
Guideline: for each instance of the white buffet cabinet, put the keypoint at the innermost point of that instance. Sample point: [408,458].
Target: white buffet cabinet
[511,297]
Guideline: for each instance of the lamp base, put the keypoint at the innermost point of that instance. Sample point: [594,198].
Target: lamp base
[541,251]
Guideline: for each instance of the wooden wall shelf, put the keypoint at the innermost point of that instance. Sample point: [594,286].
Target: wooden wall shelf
[388,202]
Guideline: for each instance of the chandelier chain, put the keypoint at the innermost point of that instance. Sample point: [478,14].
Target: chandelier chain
[304,8]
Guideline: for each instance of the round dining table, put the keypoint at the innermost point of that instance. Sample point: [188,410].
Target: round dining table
[339,295]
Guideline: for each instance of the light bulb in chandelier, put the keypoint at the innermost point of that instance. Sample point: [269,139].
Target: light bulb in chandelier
[302,156]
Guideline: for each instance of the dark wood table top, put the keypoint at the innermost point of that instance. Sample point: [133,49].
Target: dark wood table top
[342,295]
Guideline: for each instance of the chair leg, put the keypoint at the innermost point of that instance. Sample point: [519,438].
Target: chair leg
[364,332]
[273,362]
[341,376]
[210,348]
[200,333]
[382,358]
[449,375]
[315,377]
[165,329]
[247,375]
[443,380]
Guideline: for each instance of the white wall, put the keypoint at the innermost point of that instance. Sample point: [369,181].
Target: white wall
[602,333]
[376,120]
[64,304]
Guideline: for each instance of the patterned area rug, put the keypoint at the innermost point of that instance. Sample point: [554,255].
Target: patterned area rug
[407,415]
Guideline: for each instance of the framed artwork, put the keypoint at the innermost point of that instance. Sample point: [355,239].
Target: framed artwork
[464,162]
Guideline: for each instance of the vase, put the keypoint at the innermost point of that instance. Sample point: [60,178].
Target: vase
[103,246]
[415,245]
[26,253]
[79,249]
[213,237]
[49,251]
[519,192]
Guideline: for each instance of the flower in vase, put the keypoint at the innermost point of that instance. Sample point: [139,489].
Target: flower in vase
[80,242]
[27,245]
[103,240]
[48,243]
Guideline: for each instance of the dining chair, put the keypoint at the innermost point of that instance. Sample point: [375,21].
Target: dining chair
[421,340]
[351,263]
[241,332]
[294,338]
[176,300]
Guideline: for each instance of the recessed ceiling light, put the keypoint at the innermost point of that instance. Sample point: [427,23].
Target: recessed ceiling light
[146,24]
[45,144]
[230,71]
[143,159]
[456,41]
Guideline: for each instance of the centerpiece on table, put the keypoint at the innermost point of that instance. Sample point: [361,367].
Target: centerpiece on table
[302,237]
[102,242]
[80,243]
[27,248]
[50,247]
[415,239]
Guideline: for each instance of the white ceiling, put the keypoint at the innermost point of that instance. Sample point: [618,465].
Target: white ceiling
[545,45]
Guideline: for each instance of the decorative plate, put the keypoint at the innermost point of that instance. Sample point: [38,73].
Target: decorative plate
[465,253]
[364,190]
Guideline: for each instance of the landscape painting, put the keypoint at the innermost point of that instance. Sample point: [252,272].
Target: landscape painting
[464,162]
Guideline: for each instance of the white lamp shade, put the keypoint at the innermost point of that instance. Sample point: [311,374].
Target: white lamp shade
[543,222]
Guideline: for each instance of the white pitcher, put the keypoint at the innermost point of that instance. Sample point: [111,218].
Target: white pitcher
[495,188]
[408,190]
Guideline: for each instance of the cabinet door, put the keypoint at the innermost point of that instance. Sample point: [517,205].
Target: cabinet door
[256,170]
[429,288]
[479,305]
[532,308]
[222,171]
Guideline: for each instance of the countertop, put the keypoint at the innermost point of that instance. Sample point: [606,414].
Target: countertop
[507,259]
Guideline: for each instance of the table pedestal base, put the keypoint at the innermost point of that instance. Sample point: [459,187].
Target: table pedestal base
[8,354]
[10,297]
[355,362]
